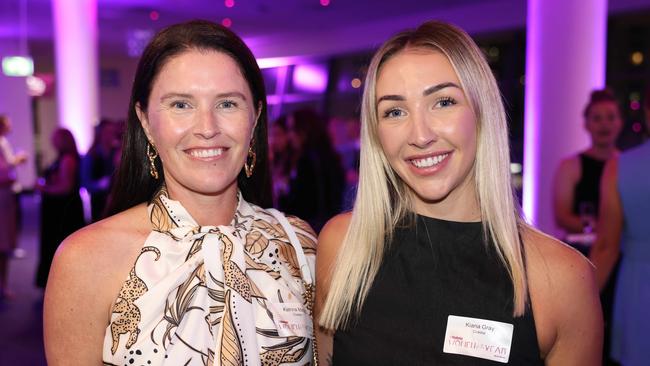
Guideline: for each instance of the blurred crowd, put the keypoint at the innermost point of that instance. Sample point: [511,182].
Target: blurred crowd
[314,166]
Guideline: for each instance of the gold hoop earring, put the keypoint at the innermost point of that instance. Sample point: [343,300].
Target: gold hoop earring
[251,159]
[152,155]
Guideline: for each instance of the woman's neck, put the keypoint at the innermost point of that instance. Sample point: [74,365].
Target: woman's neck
[602,152]
[207,209]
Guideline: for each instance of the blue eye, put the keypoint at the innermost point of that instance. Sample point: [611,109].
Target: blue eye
[393,113]
[180,105]
[227,104]
[446,102]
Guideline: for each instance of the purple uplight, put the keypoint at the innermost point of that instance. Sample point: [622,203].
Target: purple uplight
[531,150]
[271,62]
[311,78]
[564,68]
[75,26]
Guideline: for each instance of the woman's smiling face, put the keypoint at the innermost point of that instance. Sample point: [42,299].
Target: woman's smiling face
[427,129]
[200,118]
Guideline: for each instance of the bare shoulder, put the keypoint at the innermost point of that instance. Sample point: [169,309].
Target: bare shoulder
[333,233]
[87,273]
[329,241]
[106,239]
[555,270]
[550,257]
[569,168]
[564,298]
[98,257]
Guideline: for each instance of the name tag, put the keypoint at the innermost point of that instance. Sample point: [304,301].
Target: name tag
[479,338]
[291,319]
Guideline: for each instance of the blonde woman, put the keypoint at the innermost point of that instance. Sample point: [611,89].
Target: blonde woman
[435,264]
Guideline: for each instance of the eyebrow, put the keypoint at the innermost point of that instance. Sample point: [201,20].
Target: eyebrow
[432,89]
[190,96]
[428,91]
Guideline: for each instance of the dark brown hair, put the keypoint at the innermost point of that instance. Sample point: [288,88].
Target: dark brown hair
[599,96]
[68,143]
[133,183]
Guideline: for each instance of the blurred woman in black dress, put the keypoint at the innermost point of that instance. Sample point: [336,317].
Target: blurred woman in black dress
[61,207]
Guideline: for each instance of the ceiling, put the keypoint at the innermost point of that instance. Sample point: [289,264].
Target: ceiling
[278,28]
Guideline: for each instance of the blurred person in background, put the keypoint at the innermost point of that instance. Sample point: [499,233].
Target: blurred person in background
[345,138]
[577,179]
[8,208]
[624,232]
[61,207]
[281,157]
[98,166]
[317,178]
[577,185]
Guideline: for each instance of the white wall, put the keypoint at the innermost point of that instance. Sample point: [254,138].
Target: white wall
[16,103]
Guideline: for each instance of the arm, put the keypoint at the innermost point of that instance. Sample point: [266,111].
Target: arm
[565,302]
[329,242]
[566,178]
[87,273]
[65,179]
[75,311]
[606,249]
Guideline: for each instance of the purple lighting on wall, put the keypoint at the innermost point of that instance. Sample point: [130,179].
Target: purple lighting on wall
[531,151]
[310,78]
[272,62]
[75,25]
[565,60]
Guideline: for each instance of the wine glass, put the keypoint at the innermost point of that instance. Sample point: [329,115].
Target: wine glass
[587,212]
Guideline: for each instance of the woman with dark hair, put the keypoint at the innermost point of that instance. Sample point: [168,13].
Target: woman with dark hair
[189,270]
[61,207]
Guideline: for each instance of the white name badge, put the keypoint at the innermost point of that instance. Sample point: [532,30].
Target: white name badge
[479,338]
[291,319]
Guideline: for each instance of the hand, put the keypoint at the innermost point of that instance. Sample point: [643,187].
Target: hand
[20,158]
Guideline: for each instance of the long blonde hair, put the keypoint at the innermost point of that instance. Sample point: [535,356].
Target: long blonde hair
[383,199]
